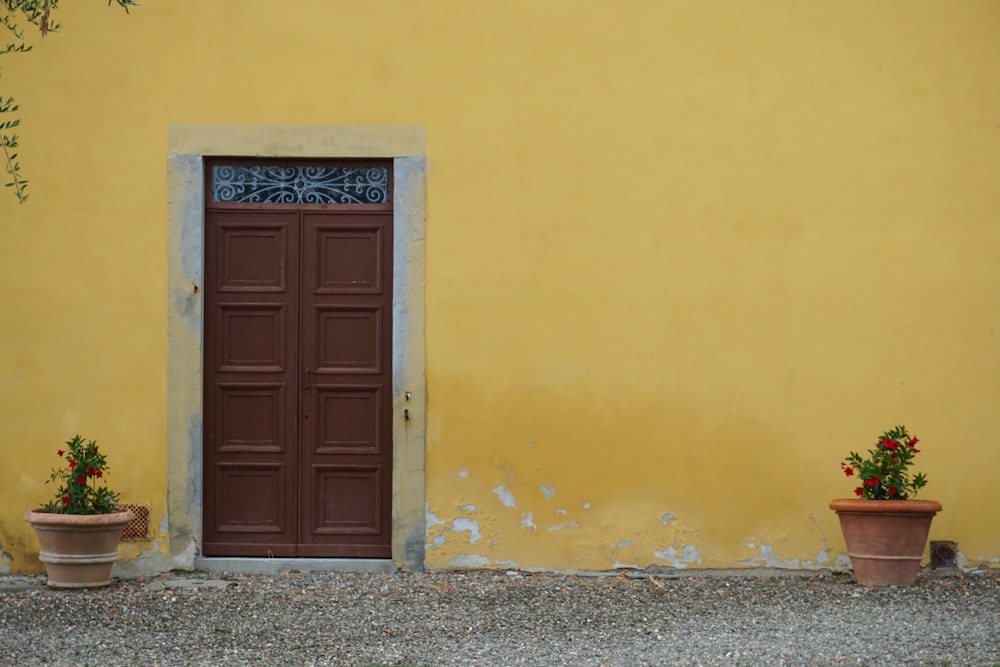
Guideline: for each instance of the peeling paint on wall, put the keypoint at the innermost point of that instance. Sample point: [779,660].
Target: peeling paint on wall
[431,519]
[469,561]
[766,557]
[505,496]
[478,533]
[5,561]
[625,555]
[561,526]
[461,525]
[688,556]
[136,561]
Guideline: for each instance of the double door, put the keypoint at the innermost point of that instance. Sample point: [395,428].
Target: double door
[298,363]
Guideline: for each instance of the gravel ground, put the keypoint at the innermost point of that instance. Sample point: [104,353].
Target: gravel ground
[501,618]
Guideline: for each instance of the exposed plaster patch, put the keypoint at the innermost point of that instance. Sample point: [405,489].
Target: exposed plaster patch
[471,525]
[666,518]
[625,566]
[822,556]
[842,563]
[152,561]
[531,443]
[561,511]
[431,519]
[464,473]
[560,526]
[5,561]
[527,521]
[585,506]
[688,555]
[469,560]
[767,558]
[439,540]
[508,563]
[624,543]
[468,507]
[547,490]
[505,496]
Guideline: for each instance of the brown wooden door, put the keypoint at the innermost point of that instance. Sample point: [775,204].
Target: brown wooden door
[297,432]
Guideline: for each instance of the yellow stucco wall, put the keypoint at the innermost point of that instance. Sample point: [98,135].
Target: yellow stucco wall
[681,256]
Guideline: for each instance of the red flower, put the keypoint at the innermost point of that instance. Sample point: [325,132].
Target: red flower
[891,445]
[65,500]
[892,490]
[95,449]
[91,471]
[871,481]
[81,480]
[848,471]
[859,491]
[60,452]
[72,464]
[912,442]
[99,474]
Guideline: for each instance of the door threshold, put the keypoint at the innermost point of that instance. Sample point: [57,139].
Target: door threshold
[240,565]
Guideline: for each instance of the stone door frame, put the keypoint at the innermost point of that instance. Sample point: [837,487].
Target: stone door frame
[189,145]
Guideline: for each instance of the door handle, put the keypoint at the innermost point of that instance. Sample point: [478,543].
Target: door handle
[307,380]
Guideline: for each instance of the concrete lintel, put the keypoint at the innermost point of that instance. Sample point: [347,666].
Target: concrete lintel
[359,141]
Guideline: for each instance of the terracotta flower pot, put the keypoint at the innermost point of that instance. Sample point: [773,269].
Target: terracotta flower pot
[885,538]
[78,549]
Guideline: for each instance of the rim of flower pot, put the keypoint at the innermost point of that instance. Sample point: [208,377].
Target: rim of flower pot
[900,506]
[44,516]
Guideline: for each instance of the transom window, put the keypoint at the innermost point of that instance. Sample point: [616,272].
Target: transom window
[277,183]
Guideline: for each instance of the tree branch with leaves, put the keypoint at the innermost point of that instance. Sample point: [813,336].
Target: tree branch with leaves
[14,14]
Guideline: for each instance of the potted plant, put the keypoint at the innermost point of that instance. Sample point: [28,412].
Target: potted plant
[79,529]
[885,530]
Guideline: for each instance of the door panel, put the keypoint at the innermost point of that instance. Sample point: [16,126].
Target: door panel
[298,395]
[345,467]
[350,420]
[251,351]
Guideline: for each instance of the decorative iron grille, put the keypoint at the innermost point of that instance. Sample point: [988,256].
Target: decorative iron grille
[279,184]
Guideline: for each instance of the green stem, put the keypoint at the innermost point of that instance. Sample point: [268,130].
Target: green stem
[13,169]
